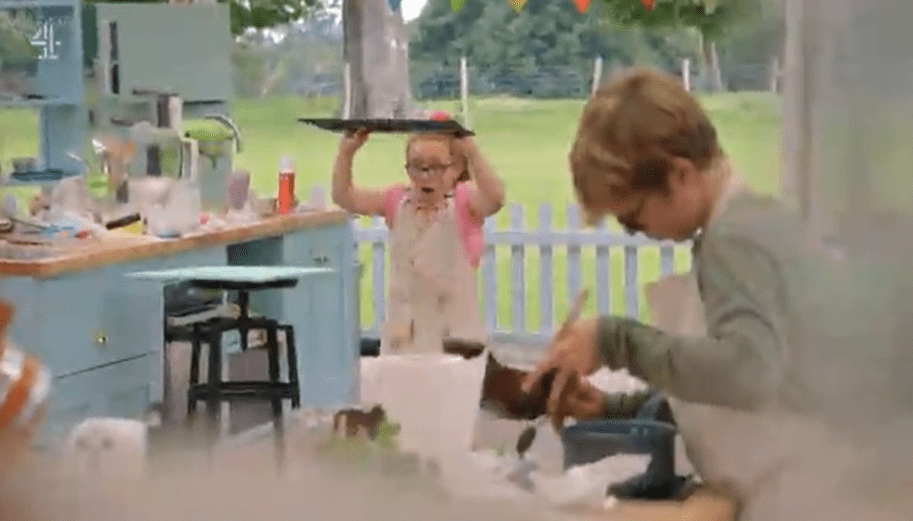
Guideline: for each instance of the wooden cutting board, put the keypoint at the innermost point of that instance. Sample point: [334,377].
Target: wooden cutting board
[701,505]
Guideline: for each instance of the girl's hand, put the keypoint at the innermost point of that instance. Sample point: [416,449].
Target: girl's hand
[466,146]
[352,141]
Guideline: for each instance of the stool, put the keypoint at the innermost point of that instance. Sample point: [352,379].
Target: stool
[210,332]
[242,279]
[214,390]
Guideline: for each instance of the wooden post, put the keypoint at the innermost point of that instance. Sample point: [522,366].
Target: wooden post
[347,91]
[597,75]
[686,73]
[464,91]
[716,74]
[795,142]
[775,74]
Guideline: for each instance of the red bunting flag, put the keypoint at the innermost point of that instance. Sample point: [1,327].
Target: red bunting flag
[648,4]
[582,5]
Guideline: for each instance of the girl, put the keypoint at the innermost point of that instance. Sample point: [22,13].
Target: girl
[435,224]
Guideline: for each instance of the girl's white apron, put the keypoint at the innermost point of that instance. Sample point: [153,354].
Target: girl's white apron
[433,288]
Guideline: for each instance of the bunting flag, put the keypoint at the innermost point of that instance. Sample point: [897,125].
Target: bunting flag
[518,4]
[582,5]
[395,4]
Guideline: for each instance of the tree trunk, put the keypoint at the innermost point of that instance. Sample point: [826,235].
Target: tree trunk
[375,46]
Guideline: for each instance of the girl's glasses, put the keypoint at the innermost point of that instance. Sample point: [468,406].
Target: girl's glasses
[437,170]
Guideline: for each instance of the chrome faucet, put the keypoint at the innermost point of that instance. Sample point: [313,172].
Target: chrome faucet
[227,121]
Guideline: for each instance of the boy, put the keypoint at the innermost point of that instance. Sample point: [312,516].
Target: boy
[747,387]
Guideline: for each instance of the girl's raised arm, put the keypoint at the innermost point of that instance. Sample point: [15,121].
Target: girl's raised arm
[486,195]
[345,194]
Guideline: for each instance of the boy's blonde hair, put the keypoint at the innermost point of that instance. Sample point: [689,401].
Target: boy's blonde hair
[446,138]
[629,132]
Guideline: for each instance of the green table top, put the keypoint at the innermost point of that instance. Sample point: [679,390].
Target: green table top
[240,274]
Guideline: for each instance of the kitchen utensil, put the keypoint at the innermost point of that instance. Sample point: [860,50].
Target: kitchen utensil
[25,164]
[440,424]
[123,221]
[237,188]
[466,348]
[590,441]
[402,126]
[528,435]
[51,174]
[148,191]
[11,212]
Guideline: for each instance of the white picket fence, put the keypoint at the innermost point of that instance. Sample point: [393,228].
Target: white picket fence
[520,239]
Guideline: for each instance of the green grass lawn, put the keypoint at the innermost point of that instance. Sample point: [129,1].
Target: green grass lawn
[527,141]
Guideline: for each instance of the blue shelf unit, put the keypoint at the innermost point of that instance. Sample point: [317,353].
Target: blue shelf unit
[57,90]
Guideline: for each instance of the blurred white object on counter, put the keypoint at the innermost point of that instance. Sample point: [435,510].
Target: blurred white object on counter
[433,397]
[616,381]
[107,448]
[587,484]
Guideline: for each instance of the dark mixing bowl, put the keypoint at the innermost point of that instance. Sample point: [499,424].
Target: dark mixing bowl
[590,441]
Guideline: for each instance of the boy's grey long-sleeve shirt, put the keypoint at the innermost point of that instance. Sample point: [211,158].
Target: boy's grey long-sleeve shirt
[743,287]
[788,326]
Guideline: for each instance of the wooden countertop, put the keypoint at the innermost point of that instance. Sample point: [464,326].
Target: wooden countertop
[91,254]
[702,505]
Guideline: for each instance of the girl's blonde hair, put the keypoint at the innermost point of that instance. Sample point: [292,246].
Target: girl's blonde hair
[465,175]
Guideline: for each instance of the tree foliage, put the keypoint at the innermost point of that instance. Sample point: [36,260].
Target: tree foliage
[263,14]
[713,20]
[546,36]
[545,33]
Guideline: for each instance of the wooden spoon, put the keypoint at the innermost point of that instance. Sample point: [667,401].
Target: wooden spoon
[528,435]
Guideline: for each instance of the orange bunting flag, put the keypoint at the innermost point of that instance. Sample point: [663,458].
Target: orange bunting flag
[518,4]
[648,4]
[582,5]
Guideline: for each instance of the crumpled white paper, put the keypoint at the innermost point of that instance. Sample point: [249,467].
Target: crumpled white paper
[488,476]
[587,484]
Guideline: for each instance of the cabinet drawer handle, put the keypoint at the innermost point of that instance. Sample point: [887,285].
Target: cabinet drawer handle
[101,338]
[321,259]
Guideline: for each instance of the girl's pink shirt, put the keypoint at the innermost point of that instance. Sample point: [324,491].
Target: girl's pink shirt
[469,225]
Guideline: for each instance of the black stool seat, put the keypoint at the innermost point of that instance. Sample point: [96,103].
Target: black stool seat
[254,389]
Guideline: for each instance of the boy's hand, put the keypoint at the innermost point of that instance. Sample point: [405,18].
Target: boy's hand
[587,402]
[572,355]
[352,141]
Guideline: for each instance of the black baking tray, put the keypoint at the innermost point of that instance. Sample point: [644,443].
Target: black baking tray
[39,176]
[402,126]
